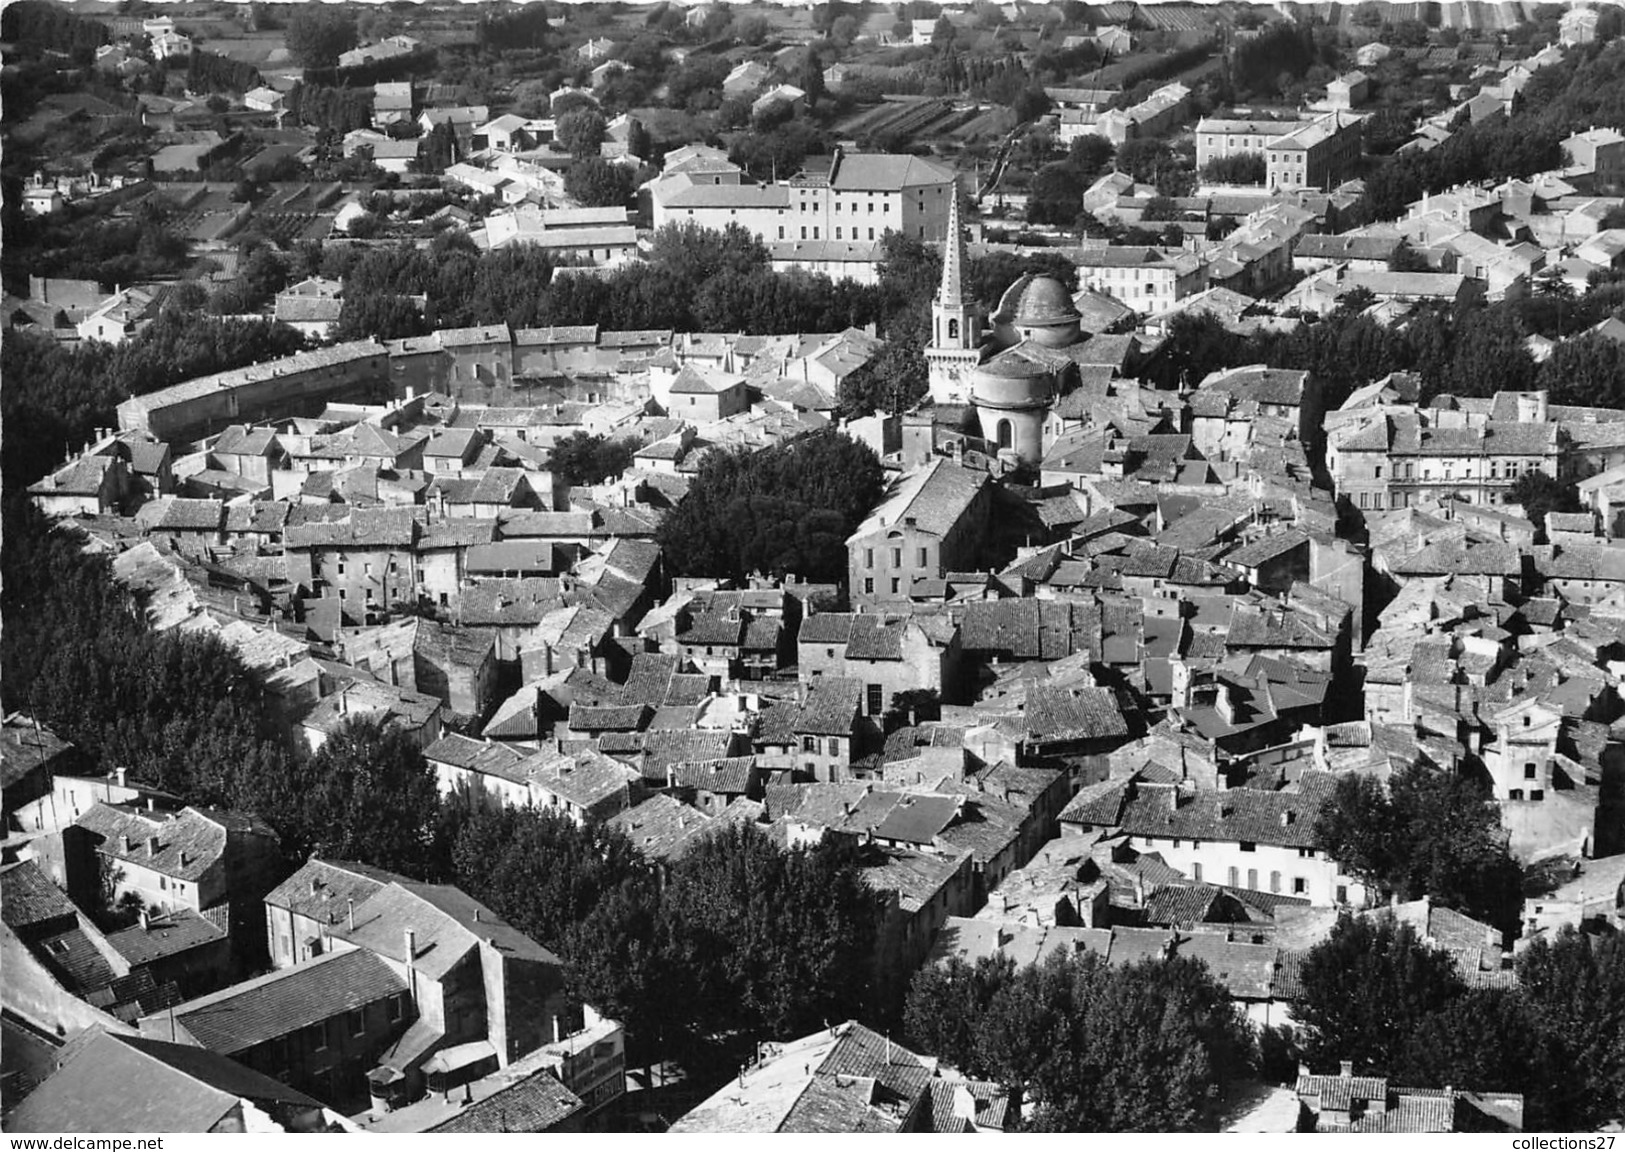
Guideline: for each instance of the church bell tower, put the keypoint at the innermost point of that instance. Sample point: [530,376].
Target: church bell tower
[956,321]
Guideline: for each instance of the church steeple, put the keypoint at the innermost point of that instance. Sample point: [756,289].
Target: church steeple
[952,290]
[955,322]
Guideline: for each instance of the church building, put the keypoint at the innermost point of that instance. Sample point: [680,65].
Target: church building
[1013,367]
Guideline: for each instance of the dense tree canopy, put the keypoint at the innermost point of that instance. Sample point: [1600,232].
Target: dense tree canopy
[539,869]
[741,940]
[581,131]
[1432,834]
[1367,988]
[317,35]
[1575,984]
[366,794]
[178,710]
[894,381]
[588,458]
[1131,1048]
[785,509]
[1537,494]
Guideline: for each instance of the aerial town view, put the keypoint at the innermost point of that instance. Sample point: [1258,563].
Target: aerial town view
[836,567]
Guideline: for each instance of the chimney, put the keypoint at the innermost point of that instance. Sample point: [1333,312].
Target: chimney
[1347,1069]
[146,920]
[411,945]
[558,1030]
[315,885]
[152,804]
[1303,1069]
[129,844]
[476,915]
[351,911]
[120,773]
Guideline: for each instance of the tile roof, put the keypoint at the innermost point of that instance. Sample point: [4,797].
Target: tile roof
[1073,714]
[322,889]
[24,746]
[584,778]
[28,896]
[448,924]
[662,827]
[935,497]
[476,756]
[248,1014]
[114,1083]
[831,707]
[165,935]
[1281,818]
[190,841]
[530,1100]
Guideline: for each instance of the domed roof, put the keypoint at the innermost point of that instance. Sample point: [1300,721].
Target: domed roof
[1037,301]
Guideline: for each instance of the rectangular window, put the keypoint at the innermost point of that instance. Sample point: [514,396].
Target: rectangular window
[868,557]
[1248,846]
[357,1022]
[1300,886]
[868,585]
[1275,881]
[1196,873]
[1252,878]
[924,557]
[875,695]
[809,744]
[1529,771]
[834,746]
[896,585]
[837,233]
[1235,877]
[896,557]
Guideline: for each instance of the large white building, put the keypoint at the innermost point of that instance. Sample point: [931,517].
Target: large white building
[846,198]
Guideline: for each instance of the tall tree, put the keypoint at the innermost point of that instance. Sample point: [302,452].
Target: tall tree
[1537,494]
[785,509]
[367,794]
[946,1004]
[1491,1040]
[1575,983]
[589,458]
[581,131]
[539,869]
[894,381]
[597,183]
[1367,988]
[1435,834]
[317,35]
[1138,1047]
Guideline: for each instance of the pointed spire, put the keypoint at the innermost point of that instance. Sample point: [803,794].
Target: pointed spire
[952,290]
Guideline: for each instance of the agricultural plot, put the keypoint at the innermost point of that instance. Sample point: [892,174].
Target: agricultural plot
[265,50]
[909,118]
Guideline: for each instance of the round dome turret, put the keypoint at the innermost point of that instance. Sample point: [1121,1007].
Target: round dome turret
[1039,308]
